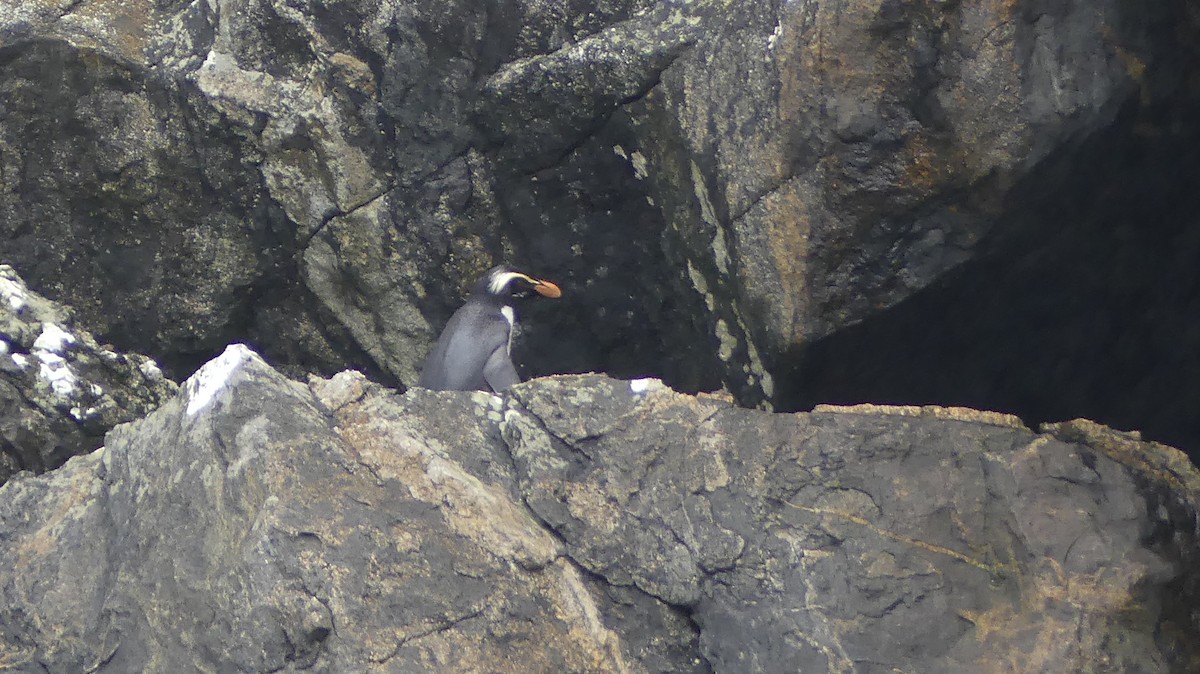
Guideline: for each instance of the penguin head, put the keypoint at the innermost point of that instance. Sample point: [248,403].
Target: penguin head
[503,283]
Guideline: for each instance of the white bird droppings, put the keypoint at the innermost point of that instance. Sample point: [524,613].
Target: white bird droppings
[55,371]
[203,386]
[639,165]
[773,38]
[82,414]
[11,288]
[642,385]
[48,349]
[53,339]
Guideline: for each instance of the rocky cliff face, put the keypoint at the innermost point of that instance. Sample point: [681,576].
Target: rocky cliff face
[987,203]
[717,184]
[585,524]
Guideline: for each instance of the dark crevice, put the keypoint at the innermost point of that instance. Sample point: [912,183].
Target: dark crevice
[1084,302]
[441,626]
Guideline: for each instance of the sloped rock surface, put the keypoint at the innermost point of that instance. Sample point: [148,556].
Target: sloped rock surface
[60,391]
[584,524]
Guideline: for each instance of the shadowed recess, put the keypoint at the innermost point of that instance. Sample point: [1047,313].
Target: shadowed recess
[1088,304]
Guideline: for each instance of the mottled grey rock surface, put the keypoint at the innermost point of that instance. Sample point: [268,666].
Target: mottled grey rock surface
[714,183]
[585,524]
[60,391]
[872,539]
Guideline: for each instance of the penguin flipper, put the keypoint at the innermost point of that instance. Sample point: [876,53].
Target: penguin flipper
[499,371]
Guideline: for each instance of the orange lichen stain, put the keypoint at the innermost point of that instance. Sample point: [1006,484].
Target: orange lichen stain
[788,227]
[1156,462]
[929,165]
[1060,620]
[1134,66]
[121,24]
[924,167]
[353,72]
[1009,9]
[71,496]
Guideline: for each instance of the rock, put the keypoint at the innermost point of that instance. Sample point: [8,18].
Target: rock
[585,524]
[255,524]
[870,538]
[817,163]
[714,184]
[60,391]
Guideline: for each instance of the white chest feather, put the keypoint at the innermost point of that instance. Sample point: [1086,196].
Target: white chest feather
[511,317]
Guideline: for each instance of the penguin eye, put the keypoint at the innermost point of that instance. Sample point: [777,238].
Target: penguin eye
[520,289]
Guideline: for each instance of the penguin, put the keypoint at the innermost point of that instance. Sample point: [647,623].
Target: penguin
[474,351]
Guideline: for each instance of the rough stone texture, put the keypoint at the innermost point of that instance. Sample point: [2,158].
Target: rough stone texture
[60,391]
[714,183]
[871,539]
[253,524]
[584,524]
[819,162]
[1092,321]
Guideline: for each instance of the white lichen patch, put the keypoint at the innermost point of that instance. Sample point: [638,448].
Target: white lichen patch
[53,339]
[726,342]
[21,360]
[150,370]
[701,285]
[203,387]
[12,289]
[4,347]
[709,215]
[766,382]
[639,165]
[757,375]
[774,36]
[636,159]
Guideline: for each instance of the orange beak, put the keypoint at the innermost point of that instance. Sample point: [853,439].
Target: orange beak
[547,289]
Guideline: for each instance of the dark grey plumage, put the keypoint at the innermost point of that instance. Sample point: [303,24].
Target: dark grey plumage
[473,352]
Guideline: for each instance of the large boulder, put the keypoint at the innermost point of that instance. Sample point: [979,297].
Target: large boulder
[818,163]
[255,524]
[871,538]
[585,524]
